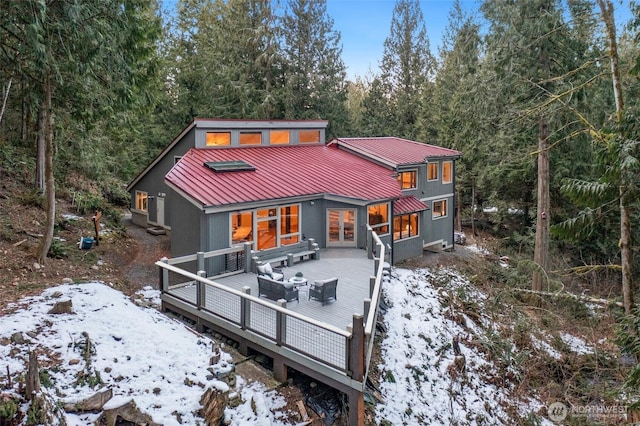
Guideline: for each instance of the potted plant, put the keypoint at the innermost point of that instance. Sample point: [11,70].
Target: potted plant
[298,274]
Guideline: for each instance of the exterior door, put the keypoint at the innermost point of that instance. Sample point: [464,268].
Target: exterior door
[341,228]
[160,211]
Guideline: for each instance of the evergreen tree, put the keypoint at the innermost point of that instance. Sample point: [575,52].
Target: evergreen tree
[81,63]
[315,86]
[406,68]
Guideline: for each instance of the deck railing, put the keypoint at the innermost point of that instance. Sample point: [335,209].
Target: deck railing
[348,351]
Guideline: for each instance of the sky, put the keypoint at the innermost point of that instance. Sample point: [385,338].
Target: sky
[365,24]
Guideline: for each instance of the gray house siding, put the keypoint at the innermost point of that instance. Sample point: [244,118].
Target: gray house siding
[153,184]
[186,235]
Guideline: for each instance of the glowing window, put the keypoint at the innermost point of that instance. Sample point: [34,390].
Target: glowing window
[309,136]
[289,224]
[379,218]
[439,209]
[446,171]
[241,227]
[432,171]
[142,200]
[407,179]
[218,138]
[279,137]
[250,138]
[405,226]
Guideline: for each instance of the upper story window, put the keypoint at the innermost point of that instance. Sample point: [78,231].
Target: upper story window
[379,218]
[439,209]
[408,179]
[432,171]
[218,138]
[250,138]
[280,137]
[142,200]
[447,169]
[309,136]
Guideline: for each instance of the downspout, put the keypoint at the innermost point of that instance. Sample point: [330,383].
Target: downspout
[393,244]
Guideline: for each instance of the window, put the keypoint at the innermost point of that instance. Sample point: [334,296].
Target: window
[289,225]
[218,138]
[432,171]
[446,171]
[250,138]
[141,200]
[267,228]
[309,136]
[279,137]
[407,179]
[405,226]
[379,218]
[439,209]
[241,227]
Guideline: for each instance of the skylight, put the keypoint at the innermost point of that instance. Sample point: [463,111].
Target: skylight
[229,166]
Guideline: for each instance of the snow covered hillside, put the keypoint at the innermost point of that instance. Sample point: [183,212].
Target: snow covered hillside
[443,360]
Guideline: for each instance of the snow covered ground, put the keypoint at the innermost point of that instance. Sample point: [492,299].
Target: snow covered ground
[140,353]
[432,372]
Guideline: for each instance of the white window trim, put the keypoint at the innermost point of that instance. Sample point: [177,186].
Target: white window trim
[450,173]
[416,179]
[413,236]
[438,172]
[146,195]
[278,219]
[381,225]
[446,205]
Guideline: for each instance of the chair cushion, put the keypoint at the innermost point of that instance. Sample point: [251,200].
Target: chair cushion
[262,269]
[268,269]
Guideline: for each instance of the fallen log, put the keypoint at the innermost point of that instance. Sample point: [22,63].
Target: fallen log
[582,298]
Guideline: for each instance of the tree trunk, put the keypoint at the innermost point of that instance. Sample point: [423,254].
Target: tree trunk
[4,99]
[40,145]
[626,256]
[47,239]
[473,208]
[458,211]
[541,250]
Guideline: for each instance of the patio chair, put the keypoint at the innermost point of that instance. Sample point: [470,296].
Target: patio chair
[323,290]
[271,272]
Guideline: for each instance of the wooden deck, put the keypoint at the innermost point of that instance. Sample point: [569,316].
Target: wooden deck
[331,343]
[350,266]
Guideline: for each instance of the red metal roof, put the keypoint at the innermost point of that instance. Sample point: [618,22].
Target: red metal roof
[408,205]
[395,151]
[281,172]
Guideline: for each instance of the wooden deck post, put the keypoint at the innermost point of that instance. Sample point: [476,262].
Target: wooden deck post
[372,284]
[369,243]
[281,323]
[356,366]
[356,348]
[164,276]
[247,258]
[245,309]
[356,408]
[200,256]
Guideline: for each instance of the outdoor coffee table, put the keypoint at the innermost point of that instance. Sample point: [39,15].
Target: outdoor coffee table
[300,283]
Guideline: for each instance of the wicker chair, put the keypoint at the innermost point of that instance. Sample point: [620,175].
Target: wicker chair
[323,290]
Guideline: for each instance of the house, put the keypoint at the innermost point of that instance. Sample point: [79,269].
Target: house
[221,183]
